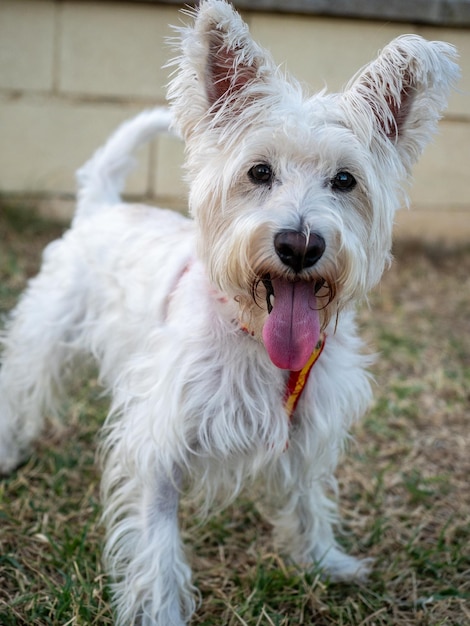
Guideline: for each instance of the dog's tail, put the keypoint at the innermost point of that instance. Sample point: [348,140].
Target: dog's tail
[102,178]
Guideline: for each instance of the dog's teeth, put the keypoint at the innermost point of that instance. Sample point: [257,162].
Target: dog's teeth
[269,293]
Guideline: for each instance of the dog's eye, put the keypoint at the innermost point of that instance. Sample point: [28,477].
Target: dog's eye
[261,174]
[343,181]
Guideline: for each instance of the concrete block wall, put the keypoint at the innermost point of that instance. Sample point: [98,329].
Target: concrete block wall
[71,71]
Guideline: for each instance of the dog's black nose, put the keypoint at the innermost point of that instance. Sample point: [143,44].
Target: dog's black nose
[297,250]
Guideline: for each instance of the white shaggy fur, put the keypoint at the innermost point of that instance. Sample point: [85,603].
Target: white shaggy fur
[195,322]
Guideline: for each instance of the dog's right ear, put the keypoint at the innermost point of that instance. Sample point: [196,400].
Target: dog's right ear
[220,70]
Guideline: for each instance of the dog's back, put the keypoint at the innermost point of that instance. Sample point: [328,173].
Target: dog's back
[97,276]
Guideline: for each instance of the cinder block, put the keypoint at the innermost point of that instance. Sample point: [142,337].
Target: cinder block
[26,44]
[48,140]
[115,49]
[168,180]
[459,103]
[441,174]
[321,51]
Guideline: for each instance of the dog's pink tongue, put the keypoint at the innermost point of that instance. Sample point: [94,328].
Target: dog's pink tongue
[292,329]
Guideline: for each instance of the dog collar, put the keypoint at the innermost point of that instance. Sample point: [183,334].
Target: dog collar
[297,380]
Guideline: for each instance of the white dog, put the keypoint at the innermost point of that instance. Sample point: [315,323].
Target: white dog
[228,340]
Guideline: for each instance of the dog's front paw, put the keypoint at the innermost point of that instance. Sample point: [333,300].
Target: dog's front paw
[339,566]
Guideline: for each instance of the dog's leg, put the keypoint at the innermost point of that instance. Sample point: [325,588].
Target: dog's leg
[144,552]
[36,348]
[303,529]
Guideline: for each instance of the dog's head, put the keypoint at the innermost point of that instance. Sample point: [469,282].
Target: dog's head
[294,196]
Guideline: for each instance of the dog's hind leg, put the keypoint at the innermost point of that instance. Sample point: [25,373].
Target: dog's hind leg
[37,345]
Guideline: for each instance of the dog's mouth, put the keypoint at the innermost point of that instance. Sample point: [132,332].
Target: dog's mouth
[292,329]
[270,296]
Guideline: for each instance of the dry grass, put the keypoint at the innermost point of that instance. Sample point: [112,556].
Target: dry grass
[404,483]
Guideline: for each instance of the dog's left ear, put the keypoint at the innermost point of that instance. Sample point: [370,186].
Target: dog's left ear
[221,69]
[403,92]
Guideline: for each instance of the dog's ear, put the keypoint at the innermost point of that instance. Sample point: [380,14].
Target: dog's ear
[220,69]
[230,64]
[403,92]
